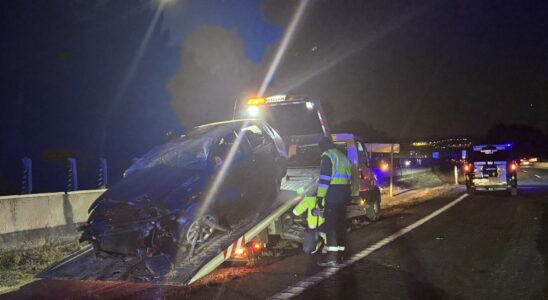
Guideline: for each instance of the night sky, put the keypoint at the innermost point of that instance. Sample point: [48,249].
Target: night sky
[75,83]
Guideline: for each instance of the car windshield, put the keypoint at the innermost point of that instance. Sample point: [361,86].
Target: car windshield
[190,151]
[293,119]
[490,155]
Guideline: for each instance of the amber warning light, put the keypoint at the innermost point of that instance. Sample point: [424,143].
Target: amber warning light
[256,101]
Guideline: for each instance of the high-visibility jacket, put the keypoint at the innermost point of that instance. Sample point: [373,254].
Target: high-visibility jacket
[340,173]
[307,204]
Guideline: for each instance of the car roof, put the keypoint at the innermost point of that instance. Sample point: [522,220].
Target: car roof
[230,122]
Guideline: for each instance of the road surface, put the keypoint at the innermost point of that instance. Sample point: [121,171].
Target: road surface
[486,246]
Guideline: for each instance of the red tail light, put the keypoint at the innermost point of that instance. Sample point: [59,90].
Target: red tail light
[257,246]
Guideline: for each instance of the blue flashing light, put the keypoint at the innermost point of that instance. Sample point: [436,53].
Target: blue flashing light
[343,136]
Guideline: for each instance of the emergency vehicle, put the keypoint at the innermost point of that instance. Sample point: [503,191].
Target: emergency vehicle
[490,168]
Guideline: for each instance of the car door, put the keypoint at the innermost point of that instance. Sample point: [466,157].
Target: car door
[230,160]
[263,171]
[368,179]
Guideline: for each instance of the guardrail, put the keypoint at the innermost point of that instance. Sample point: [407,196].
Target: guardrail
[37,219]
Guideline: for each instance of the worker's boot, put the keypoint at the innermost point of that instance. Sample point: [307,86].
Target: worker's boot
[331,260]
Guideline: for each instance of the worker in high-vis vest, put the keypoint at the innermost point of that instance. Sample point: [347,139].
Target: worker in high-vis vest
[314,236]
[334,188]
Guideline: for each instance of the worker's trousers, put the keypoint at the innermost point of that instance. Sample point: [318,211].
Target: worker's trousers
[336,200]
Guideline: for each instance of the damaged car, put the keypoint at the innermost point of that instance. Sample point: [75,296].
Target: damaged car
[182,193]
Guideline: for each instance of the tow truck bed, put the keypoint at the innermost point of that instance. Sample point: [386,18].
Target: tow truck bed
[85,264]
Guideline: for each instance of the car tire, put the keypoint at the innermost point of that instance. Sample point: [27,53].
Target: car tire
[514,191]
[201,228]
[373,206]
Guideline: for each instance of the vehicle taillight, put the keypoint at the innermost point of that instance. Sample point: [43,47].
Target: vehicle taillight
[466,168]
[240,252]
[257,246]
[513,167]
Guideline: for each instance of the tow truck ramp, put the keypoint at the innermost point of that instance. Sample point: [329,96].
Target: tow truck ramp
[85,264]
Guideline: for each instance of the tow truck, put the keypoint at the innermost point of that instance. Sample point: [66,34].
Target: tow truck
[301,122]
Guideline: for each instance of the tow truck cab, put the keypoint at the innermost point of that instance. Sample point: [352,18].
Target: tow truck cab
[491,167]
[300,122]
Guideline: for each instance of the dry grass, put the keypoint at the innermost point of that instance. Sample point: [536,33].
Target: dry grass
[20,266]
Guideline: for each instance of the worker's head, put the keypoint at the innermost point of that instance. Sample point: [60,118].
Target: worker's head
[325,144]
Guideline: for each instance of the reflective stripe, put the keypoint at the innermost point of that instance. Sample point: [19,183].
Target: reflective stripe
[341,248]
[340,167]
[324,186]
[325,177]
[332,248]
[346,176]
[322,181]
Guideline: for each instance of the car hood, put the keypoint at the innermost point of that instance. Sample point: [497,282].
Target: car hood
[162,188]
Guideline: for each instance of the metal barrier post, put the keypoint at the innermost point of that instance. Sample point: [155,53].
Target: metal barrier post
[72,179]
[26,182]
[103,173]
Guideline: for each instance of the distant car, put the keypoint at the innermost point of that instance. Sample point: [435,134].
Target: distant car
[491,167]
[528,161]
[180,193]
[524,162]
[365,189]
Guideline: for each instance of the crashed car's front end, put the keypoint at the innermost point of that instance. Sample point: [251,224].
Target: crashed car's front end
[144,214]
[147,222]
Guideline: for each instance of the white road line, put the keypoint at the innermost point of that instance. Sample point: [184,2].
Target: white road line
[537,176]
[301,286]
[524,171]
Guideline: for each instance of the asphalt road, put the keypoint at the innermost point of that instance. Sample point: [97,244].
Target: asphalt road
[487,246]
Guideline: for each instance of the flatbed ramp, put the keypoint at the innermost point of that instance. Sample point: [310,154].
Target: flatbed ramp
[86,265]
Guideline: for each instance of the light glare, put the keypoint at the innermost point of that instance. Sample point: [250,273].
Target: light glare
[253,111]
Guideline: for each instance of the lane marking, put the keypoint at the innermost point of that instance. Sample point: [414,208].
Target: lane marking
[537,176]
[524,171]
[301,286]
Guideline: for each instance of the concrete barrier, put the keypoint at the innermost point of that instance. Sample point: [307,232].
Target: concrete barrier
[37,219]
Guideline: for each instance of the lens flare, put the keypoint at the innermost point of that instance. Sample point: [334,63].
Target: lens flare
[253,111]
[300,79]
[221,175]
[288,34]
[130,73]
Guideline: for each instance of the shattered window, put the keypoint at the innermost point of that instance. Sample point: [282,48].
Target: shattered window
[254,135]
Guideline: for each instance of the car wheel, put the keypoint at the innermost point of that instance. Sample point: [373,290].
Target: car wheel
[202,229]
[373,206]
[513,191]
